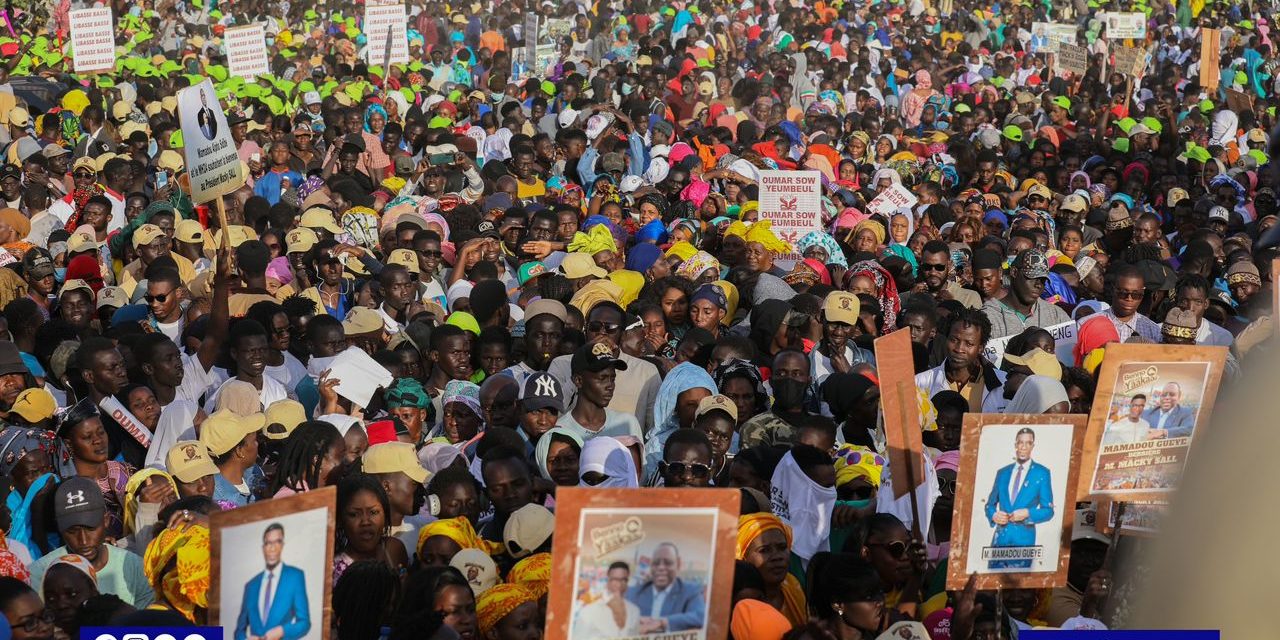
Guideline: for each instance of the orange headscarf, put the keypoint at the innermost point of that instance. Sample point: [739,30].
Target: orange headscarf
[758,621]
[498,602]
[750,526]
[534,573]
[459,530]
[185,586]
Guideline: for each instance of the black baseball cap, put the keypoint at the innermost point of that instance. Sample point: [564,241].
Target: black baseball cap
[542,391]
[37,263]
[596,357]
[78,503]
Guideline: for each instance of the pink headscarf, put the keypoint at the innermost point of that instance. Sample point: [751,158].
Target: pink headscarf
[696,192]
[924,80]
[948,460]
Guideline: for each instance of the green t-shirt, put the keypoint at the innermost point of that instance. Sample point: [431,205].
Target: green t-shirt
[123,575]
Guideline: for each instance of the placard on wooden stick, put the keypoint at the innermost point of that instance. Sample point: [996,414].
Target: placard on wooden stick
[1210,62]
[294,535]
[650,539]
[901,411]
[1015,500]
[1153,400]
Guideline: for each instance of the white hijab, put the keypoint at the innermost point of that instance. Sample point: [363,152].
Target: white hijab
[606,455]
[804,505]
[1036,395]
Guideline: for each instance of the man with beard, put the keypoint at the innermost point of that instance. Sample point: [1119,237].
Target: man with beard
[1021,306]
[395,466]
[938,271]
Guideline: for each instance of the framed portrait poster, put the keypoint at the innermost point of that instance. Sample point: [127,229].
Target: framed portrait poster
[1152,401]
[1137,519]
[1015,500]
[273,567]
[615,549]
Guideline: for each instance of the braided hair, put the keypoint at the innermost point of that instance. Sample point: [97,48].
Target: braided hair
[366,591]
[303,453]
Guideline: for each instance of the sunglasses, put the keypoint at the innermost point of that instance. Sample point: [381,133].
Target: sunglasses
[596,326]
[1131,295]
[160,297]
[83,174]
[933,267]
[698,469]
[896,549]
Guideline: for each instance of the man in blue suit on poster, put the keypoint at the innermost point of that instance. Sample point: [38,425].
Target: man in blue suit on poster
[666,602]
[1021,498]
[275,600]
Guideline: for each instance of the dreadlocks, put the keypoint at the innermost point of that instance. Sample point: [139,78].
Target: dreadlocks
[304,451]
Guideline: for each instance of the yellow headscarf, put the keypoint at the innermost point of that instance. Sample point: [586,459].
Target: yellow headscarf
[736,228]
[750,526]
[682,250]
[132,488]
[593,241]
[762,232]
[533,573]
[731,301]
[876,228]
[631,282]
[854,461]
[498,602]
[185,586]
[594,293]
[459,530]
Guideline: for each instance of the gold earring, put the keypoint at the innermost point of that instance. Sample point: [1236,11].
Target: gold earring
[839,611]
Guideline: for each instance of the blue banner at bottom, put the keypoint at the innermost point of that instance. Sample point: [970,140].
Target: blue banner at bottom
[1126,634]
[151,633]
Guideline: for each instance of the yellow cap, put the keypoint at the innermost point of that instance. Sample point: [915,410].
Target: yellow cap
[80,242]
[121,110]
[288,414]
[188,461]
[318,218]
[189,231]
[717,402]
[393,457]
[239,234]
[100,163]
[146,234]
[19,117]
[84,162]
[841,306]
[170,160]
[223,430]
[34,405]
[129,128]
[73,284]
[405,258]
[112,297]
[581,265]
[300,240]
[362,320]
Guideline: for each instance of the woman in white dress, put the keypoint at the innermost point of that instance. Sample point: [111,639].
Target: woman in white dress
[611,616]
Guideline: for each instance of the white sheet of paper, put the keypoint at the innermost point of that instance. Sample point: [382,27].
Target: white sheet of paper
[358,375]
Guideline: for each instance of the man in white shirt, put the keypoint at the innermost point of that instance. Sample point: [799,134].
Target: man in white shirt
[600,619]
[1131,428]
[249,352]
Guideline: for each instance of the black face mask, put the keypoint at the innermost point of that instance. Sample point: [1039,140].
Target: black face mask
[788,394]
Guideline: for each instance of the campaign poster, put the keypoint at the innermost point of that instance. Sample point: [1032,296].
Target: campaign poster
[385,25]
[792,201]
[213,166]
[93,40]
[1126,25]
[272,566]
[1072,58]
[1151,401]
[1135,519]
[896,197]
[247,51]
[1015,500]
[626,546]
[1040,40]
[1131,61]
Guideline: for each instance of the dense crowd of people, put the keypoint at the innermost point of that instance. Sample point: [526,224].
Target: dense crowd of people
[563,266]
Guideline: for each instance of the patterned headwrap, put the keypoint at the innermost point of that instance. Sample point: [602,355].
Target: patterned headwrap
[185,586]
[80,564]
[533,573]
[655,199]
[16,442]
[69,127]
[311,185]
[595,240]
[762,232]
[80,197]
[808,272]
[699,262]
[890,305]
[459,530]
[827,243]
[854,461]
[362,224]
[10,565]
[468,393]
[406,392]
[737,368]
[497,603]
[374,108]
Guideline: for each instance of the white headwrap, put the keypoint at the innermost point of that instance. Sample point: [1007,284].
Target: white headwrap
[804,505]
[606,455]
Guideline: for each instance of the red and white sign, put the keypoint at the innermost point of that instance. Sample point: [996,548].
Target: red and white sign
[93,40]
[378,20]
[891,200]
[247,51]
[792,202]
